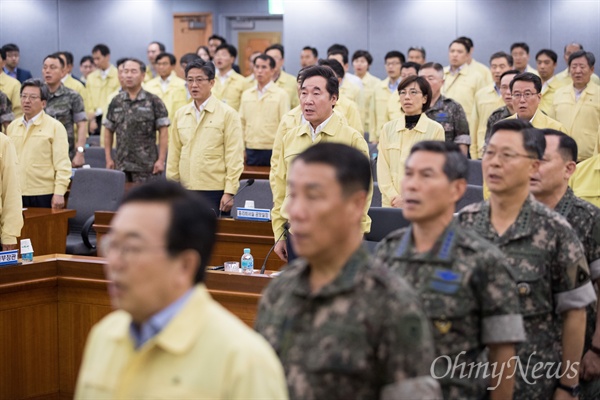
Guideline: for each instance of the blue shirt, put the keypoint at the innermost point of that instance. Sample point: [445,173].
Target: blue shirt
[12,74]
[156,323]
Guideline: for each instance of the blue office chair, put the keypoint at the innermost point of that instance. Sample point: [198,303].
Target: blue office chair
[384,220]
[473,194]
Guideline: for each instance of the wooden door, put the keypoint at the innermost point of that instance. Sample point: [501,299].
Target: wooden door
[190,31]
[249,42]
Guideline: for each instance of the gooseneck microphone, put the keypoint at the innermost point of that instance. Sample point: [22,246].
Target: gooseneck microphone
[249,182]
[286,228]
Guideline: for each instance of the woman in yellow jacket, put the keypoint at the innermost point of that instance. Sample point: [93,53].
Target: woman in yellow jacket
[398,137]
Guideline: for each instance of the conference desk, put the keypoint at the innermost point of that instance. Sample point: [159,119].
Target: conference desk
[251,172]
[48,307]
[47,228]
[232,237]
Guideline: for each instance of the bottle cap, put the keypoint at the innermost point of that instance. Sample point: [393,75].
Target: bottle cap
[246,251]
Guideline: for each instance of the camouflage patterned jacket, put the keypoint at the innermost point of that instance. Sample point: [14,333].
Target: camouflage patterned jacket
[452,117]
[363,336]
[135,123]
[498,114]
[66,106]
[552,276]
[467,292]
[6,114]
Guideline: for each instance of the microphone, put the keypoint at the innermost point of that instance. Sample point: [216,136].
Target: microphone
[286,227]
[249,182]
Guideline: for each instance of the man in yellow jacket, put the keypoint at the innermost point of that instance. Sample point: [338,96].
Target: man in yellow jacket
[577,106]
[10,87]
[229,85]
[382,93]
[101,83]
[525,90]
[261,110]
[564,74]
[281,78]
[206,150]
[169,338]
[42,148]
[546,64]
[318,93]
[11,206]
[167,85]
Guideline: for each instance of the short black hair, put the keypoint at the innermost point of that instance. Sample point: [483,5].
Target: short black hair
[189,57]
[102,48]
[55,56]
[456,165]
[161,47]
[171,57]
[332,86]
[591,60]
[352,168]
[528,77]
[68,56]
[567,146]
[423,85]
[437,66]
[395,54]
[38,83]
[334,65]
[520,45]
[419,49]
[86,58]
[2,54]
[230,49]
[139,62]
[11,47]
[121,61]
[278,47]
[207,67]
[502,54]
[550,53]
[411,64]
[463,42]
[267,58]
[217,37]
[468,40]
[533,139]
[510,72]
[193,223]
[313,50]
[340,52]
[338,47]
[363,53]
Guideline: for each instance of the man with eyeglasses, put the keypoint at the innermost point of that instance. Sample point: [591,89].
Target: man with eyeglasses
[503,112]
[382,93]
[168,338]
[547,261]
[135,115]
[66,106]
[42,149]
[526,93]
[206,146]
[577,106]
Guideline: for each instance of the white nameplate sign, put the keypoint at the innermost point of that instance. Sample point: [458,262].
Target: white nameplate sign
[9,257]
[254,214]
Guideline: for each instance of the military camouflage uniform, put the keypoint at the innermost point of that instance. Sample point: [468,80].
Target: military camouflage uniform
[467,292]
[363,336]
[6,114]
[66,106]
[498,114]
[135,123]
[451,116]
[552,275]
[584,217]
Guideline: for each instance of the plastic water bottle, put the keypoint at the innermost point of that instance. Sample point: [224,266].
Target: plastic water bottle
[247,262]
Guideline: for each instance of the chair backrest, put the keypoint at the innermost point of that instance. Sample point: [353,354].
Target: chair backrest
[95,158]
[94,189]
[473,194]
[376,200]
[385,220]
[259,191]
[475,173]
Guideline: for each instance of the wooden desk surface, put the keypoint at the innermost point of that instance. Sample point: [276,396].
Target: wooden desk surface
[47,229]
[48,307]
[255,172]
[232,237]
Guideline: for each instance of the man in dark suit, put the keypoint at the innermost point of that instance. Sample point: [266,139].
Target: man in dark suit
[12,60]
